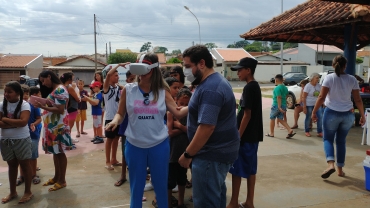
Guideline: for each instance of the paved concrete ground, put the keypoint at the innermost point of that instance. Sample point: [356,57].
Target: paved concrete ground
[288,175]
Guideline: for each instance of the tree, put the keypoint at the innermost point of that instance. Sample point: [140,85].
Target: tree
[116,58]
[359,60]
[173,60]
[239,44]
[146,47]
[176,52]
[290,45]
[210,45]
[160,49]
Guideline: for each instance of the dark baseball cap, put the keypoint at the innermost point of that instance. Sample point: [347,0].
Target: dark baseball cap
[246,62]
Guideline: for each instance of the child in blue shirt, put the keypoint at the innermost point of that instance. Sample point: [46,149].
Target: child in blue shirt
[34,124]
[96,111]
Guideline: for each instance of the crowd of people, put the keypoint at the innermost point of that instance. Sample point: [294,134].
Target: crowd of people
[167,127]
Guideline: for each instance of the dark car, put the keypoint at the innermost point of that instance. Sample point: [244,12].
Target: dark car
[293,78]
[284,75]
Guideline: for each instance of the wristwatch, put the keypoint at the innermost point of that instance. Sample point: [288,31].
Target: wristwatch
[186,155]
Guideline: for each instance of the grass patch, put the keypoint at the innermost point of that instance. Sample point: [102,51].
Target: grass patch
[262,90]
[238,90]
[267,96]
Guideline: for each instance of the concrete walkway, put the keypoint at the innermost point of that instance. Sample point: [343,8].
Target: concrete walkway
[288,175]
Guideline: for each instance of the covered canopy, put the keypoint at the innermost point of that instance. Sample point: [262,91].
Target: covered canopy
[317,22]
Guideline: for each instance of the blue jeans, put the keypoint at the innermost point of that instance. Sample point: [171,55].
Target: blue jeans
[156,158]
[209,189]
[336,125]
[308,119]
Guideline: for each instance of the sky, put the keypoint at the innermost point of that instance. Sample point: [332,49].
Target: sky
[64,27]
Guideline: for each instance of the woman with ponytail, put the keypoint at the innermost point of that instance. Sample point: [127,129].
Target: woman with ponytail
[16,144]
[338,117]
[56,133]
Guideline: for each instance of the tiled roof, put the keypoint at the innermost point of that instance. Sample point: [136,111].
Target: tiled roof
[53,60]
[81,56]
[254,54]
[16,61]
[327,48]
[161,58]
[232,54]
[363,53]
[316,22]
[351,1]
[289,51]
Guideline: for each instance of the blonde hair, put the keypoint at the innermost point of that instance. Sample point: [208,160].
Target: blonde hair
[156,80]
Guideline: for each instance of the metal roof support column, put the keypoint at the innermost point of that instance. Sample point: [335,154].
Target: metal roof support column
[350,43]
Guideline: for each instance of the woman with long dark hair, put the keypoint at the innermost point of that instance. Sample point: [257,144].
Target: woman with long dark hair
[338,117]
[56,133]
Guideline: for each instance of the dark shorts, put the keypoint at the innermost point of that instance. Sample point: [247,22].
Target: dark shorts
[111,134]
[176,175]
[246,164]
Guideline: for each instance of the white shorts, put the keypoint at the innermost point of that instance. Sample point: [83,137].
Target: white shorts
[97,121]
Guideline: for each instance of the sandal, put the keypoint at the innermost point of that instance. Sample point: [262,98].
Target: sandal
[117,164]
[49,182]
[320,135]
[78,135]
[120,182]
[307,134]
[25,199]
[327,173]
[56,187]
[154,203]
[290,135]
[294,127]
[20,180]
[109,167]
[8,198]
[188,184]
[36,180]
[268,135]
[83,133]
[38,168]
[174,201]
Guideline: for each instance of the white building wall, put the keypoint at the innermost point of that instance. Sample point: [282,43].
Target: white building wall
[306,54]
[81,62]
[35,67]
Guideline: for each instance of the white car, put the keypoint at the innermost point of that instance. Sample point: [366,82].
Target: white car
[294,92]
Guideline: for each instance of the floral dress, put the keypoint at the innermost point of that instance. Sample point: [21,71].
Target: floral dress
[56,134]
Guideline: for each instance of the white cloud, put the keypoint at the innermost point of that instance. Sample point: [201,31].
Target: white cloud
[66,27]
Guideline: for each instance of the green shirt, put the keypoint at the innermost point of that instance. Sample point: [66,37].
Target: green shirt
[280,90]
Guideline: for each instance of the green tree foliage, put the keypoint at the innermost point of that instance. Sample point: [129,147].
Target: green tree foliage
[239,44]
[146,47]
[210,45]
[160,49]
[290,45]
[173,60]
[116,58]
[359,60]
[176,52]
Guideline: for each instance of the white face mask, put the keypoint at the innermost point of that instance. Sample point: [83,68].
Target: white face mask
[189,74]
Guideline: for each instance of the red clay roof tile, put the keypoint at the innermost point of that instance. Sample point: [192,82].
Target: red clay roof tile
[16,61]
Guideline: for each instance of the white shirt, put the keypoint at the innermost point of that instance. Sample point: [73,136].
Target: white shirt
[312,93]
[111,100]
[146,126]
[19,132]
[340,89]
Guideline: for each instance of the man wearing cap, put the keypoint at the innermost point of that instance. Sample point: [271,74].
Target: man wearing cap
[212,131]
[250,125]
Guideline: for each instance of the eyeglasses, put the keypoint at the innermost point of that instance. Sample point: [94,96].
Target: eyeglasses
[146,99]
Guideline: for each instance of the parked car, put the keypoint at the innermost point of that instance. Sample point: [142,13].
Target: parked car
[295,90]
[291,78]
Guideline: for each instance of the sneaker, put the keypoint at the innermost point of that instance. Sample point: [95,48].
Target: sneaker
[95,138]
[98,141]
[175,190]
[148,187]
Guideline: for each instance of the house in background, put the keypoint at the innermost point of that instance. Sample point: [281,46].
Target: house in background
[227,57]
[52,61]
[14,65]
[162,59]
[83,68]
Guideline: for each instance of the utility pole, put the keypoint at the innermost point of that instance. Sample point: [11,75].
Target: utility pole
[110,49]
[106,52]
[96,58]
[281,46]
